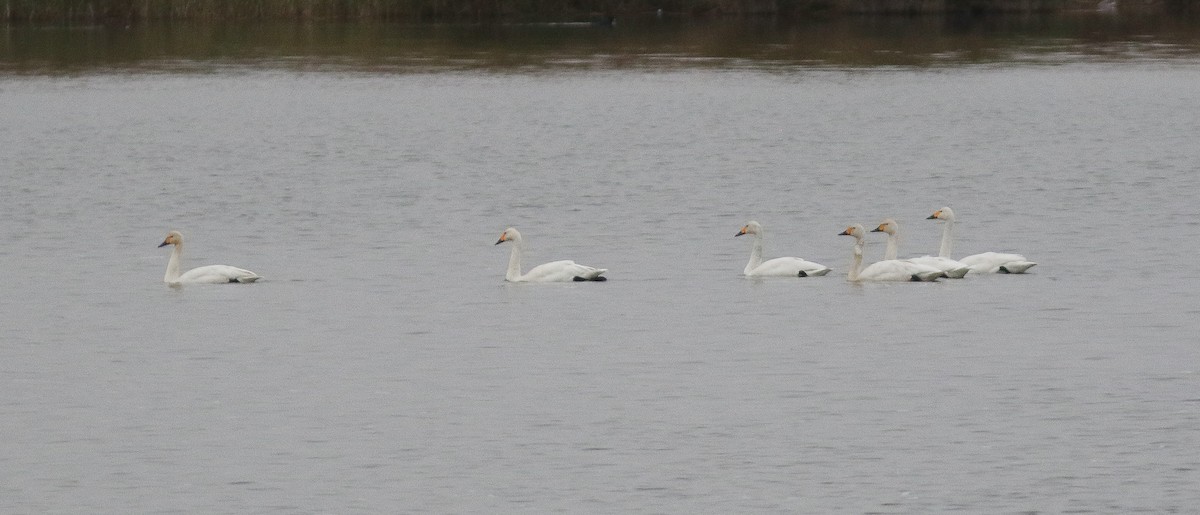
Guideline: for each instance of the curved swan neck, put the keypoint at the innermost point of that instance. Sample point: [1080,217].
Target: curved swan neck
[858,259]
[947,239]
[755,254]
[514,263]
[172,274]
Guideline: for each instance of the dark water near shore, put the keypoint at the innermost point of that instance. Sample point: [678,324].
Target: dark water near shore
[384,366]
[635,43]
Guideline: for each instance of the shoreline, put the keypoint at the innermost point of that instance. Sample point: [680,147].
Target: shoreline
[599,13]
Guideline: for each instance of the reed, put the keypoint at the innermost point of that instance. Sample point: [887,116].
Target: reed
[475,10]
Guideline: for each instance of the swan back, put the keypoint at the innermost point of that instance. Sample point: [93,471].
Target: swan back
[898,270]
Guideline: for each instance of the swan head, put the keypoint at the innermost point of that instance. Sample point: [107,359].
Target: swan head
[944,213]
[888,226]
[855,230]
[509,234]
[751,227]
[173,238]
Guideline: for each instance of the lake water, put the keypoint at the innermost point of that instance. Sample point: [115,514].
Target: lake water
[384,366]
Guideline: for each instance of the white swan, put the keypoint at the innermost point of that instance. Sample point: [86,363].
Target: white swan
[886,270]
[783,266]
[555,271]
[953,269]
[985,263]
[212,274]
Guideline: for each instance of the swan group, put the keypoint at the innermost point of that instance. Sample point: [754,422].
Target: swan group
[953,269]
[211,274]
[888,269]
[924,268]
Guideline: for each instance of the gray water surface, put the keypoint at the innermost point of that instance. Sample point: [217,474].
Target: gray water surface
[383,365]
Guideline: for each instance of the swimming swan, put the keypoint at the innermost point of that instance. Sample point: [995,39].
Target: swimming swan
[784,266]
[212,274]
[985,263]
[886,270]
[555,271]
[953,269]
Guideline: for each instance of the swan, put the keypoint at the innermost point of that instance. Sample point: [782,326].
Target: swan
[555,271]
[784,266]
[953,269]
[213,274]
[886,270]
[985,263]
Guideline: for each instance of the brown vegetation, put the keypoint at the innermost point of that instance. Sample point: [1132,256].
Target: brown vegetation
[475,10]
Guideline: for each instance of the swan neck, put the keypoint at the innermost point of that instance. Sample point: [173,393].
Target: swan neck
[893,247]
[172,274]
[514,263]
[947,239]
[858,259]
[755,254]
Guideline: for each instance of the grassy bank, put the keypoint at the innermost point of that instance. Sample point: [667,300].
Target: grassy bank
[125,11]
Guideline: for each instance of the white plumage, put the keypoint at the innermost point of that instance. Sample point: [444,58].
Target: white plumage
[985,263]
[888,269]
[211,274]
[555,271]
[953,269]
[782,266]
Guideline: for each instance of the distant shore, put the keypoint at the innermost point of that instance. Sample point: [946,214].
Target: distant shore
[599,11]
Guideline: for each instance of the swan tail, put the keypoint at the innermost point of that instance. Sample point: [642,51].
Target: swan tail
[1016,267]
[928,276]
[595,274]
[957,273]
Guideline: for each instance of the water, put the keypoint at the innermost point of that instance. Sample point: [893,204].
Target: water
[384,366]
